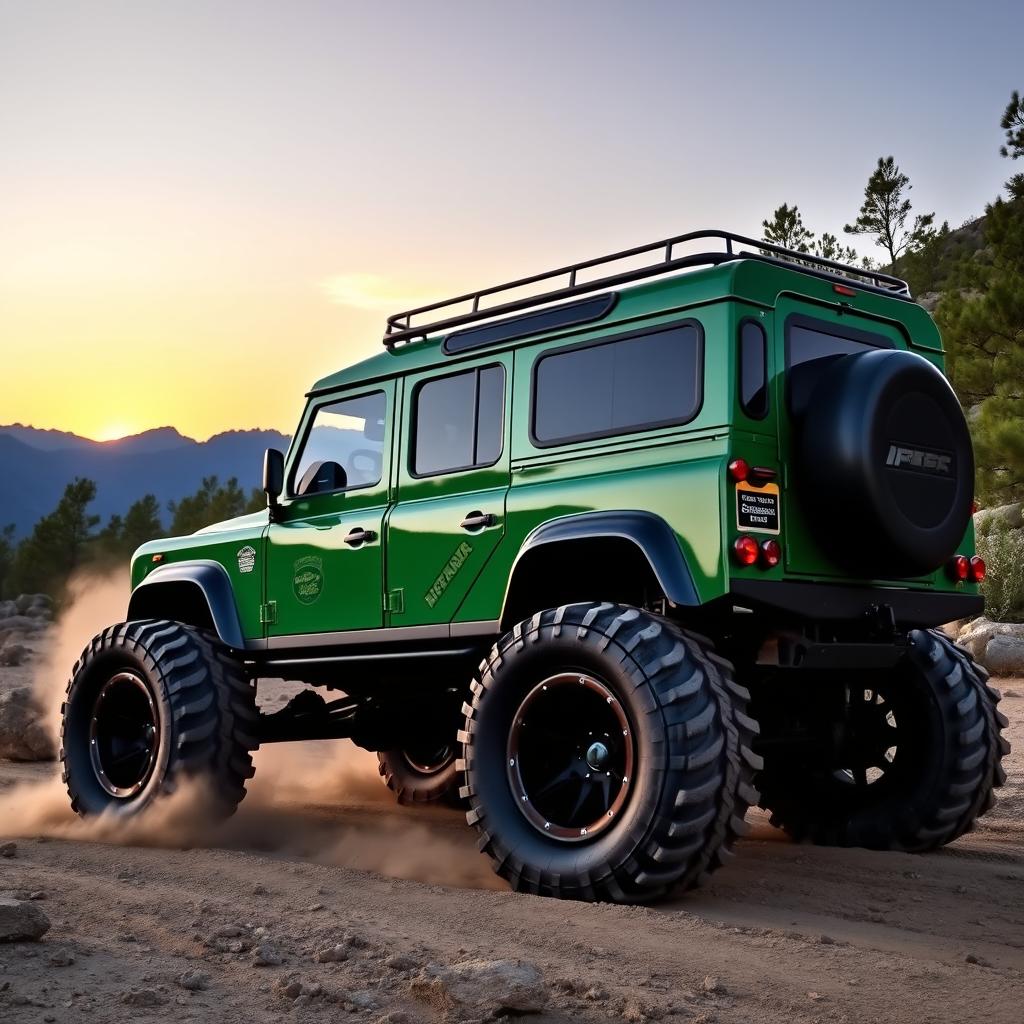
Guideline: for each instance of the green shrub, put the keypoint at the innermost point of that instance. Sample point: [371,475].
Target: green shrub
[1003,551]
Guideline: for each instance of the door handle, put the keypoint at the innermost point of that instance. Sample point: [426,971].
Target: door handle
[358,536]
[477,520]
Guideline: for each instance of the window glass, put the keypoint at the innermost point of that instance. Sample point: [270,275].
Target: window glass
[345,447]
[753,370]
[616,387]
[811,350]
[459,421]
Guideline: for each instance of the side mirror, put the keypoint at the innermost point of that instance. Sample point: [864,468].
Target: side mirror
[273,477]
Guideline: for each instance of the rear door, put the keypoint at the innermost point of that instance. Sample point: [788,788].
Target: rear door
[453,478]
[808,339]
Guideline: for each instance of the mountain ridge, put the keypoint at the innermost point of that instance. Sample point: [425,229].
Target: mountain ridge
[36,464]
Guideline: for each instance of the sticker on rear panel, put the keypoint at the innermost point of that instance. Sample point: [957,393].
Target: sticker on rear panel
[757,508]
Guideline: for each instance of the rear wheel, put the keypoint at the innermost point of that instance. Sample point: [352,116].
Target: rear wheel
[910,764]
[607,755]
[150,704]
[422,772]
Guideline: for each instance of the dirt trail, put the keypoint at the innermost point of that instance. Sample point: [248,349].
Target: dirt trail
[786,933]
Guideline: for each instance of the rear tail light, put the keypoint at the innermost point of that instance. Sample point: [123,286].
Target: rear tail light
[771,553]
[959,568]
[745,550]
[738,469]
[977,568]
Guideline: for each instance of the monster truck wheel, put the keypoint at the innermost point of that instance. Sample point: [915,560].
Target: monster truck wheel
[420,774]
[921,767]
[149,704]
[607,755]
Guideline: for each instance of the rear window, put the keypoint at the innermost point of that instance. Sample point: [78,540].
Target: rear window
[619,386]
[812,346]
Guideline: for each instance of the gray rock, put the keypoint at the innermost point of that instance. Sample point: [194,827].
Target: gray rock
[8,849]
[331,954]
[978,633]
[17,624]
[25,601]
[267,956]
[22,735]
[482,988]
[143,997]
[398,962]
[13,654]
[39,612]
[1011,516]
[21,922]
[8,609]
[1004,655]
[194,981]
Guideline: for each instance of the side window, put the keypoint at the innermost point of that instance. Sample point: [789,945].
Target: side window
[753,370]
[344,447]
[612,387]
[458,421]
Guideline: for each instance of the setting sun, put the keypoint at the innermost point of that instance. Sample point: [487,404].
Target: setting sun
[115,431]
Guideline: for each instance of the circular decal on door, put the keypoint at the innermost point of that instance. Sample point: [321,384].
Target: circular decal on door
[308,579]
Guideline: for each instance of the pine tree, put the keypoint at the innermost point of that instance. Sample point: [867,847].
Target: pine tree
[786,228]
[885,211]
[1013,124]
[983,327]
[212,503]
[58,544]
[7,550]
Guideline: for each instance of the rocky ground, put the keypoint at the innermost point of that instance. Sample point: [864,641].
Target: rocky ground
[321,900]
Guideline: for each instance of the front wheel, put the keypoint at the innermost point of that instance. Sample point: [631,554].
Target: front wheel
[910,763]
[607,755]
[149,704]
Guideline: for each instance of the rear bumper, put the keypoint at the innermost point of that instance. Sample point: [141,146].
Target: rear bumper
[828,602]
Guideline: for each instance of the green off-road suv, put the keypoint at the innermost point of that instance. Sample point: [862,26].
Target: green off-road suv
[606,555]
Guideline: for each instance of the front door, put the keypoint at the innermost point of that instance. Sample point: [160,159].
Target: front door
[453,480]
[325,553]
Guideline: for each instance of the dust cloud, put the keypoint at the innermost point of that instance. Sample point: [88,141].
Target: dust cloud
[94,601]
[319,801]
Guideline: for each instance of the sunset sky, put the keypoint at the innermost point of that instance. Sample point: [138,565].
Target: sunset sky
[206,206]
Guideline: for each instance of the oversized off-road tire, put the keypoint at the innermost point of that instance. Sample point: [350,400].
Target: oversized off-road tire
[607,755]
[922,766]
[149,704]
[421,776]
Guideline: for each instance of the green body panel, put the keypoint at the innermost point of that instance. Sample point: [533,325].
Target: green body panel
[431,560]
[220,543]
[316,582]
[423,568]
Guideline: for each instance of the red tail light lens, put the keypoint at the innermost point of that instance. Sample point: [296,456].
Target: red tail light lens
[771,553]
[745,550]
[959,568]
[738,469]
[977,568]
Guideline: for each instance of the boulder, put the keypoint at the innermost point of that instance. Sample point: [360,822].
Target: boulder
[22,735]
[975,636]
[8,609]
[1009,516]
[21,922]
[482,988]
[1004,655]
[13,654]
[25,601]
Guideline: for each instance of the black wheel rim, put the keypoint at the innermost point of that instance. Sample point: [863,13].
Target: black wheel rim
[871,740]
[570,757]
[124,735]
[428,758]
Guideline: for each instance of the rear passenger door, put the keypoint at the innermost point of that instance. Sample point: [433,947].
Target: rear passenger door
[453,480]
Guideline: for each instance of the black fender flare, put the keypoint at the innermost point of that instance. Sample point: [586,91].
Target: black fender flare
[654,538]
[210,579]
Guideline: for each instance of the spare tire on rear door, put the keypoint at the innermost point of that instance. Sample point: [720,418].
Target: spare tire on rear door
[884,465]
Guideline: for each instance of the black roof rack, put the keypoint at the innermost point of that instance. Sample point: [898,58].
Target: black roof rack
[402,328]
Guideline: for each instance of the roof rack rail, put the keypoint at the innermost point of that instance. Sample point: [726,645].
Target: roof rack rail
[400,326]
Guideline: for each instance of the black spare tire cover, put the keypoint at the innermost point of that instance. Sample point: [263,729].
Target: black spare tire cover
[885,465]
